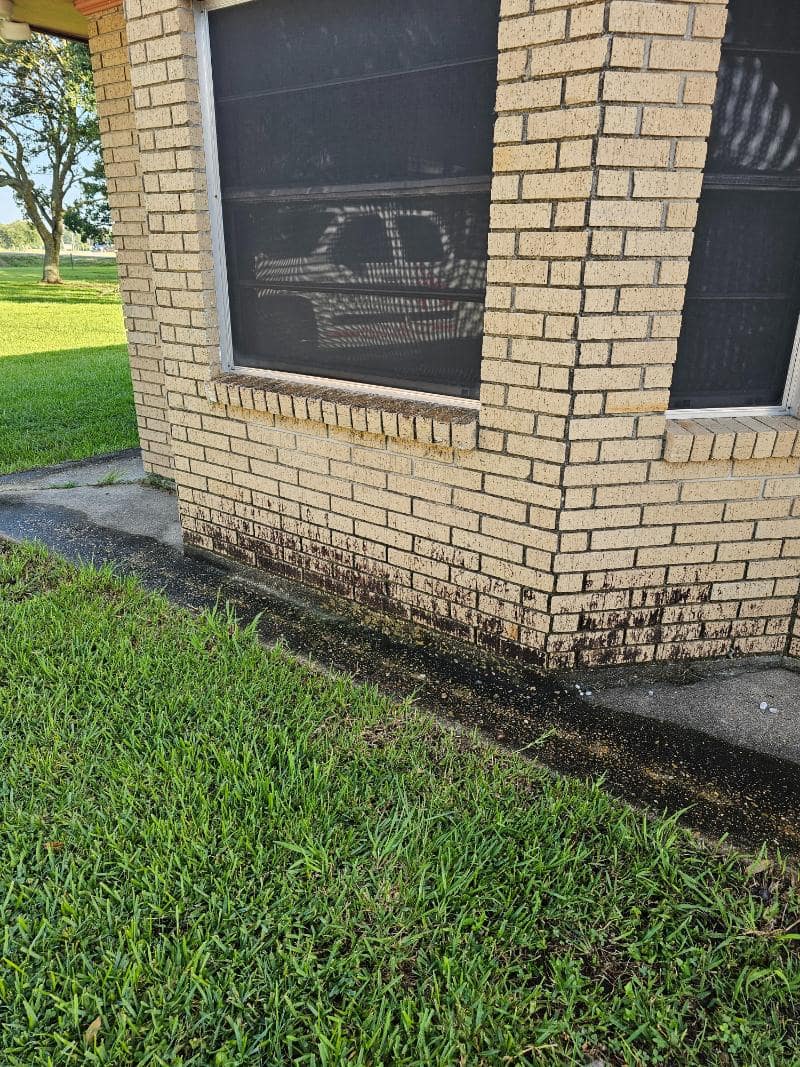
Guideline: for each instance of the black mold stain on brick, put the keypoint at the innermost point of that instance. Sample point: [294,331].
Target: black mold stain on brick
[601,637]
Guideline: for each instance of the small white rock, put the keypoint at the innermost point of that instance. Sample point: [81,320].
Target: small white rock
[650,692]
[763,705]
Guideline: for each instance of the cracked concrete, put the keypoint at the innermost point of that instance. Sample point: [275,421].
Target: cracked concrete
[682,736]
[111,491]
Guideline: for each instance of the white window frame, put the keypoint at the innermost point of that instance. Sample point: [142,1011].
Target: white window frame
[227,363]
[209,126]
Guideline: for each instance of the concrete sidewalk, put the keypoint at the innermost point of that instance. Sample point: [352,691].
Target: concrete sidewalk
[668,736]
[111,491]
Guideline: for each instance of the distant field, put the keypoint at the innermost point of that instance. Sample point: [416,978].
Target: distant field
[68,262]
[65,385]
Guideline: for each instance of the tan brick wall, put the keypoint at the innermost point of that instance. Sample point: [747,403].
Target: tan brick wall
[115,104]
[655,559]
[564,533]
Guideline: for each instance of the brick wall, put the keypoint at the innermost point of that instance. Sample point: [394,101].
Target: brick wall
[115,104]
[697,556]
[577,529]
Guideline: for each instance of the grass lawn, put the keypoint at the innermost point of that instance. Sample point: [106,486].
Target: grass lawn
[65,384]
[213,856]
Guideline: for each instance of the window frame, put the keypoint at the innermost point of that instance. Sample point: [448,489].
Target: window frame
[219,255]
[790,401]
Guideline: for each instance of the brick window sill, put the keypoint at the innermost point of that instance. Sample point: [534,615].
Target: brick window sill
[732,437]
[446,425]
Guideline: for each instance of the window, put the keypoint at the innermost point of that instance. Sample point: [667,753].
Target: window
[743,293]
[354,142]
[362,240]
[421,239]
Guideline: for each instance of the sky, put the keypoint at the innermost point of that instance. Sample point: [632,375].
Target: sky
[9,211]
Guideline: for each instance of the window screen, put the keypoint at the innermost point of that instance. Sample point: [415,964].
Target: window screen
[354,141]
[743,293]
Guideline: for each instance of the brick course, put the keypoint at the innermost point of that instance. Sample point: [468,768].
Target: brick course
[576,526]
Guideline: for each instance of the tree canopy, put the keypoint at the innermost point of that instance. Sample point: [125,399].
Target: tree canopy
[18,234]
[48,127]
[90,217]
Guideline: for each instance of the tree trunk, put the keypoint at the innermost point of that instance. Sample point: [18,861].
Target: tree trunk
[52,254]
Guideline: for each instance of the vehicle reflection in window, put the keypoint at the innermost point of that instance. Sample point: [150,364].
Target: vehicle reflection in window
[362,240]
[366,290]
[354,142]
[421,238]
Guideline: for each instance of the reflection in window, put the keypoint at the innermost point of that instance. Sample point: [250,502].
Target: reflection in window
[743,292]
[382,289]
[355,142]
[362,240]
[757,118]
[421,239]
[292,231]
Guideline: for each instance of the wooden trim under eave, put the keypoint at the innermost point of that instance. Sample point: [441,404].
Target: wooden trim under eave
[92,8]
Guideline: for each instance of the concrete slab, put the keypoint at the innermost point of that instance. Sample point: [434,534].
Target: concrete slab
[689,737]
[125,466]
[754,704]
[110,491]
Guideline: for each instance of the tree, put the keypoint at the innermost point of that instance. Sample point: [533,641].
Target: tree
[47,124]
[90,217]
[18,234]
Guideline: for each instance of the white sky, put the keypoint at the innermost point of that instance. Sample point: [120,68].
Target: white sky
[9,211]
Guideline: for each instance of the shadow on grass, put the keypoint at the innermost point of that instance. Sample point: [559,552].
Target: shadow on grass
[73,293]
[89,285]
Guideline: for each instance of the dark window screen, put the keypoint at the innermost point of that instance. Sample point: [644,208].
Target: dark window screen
[355,142]
[743,293]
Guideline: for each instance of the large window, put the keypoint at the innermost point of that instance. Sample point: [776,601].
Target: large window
[354,143]
[743,295]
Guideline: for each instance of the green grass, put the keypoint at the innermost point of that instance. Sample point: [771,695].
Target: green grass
[218,857]
[65,384]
